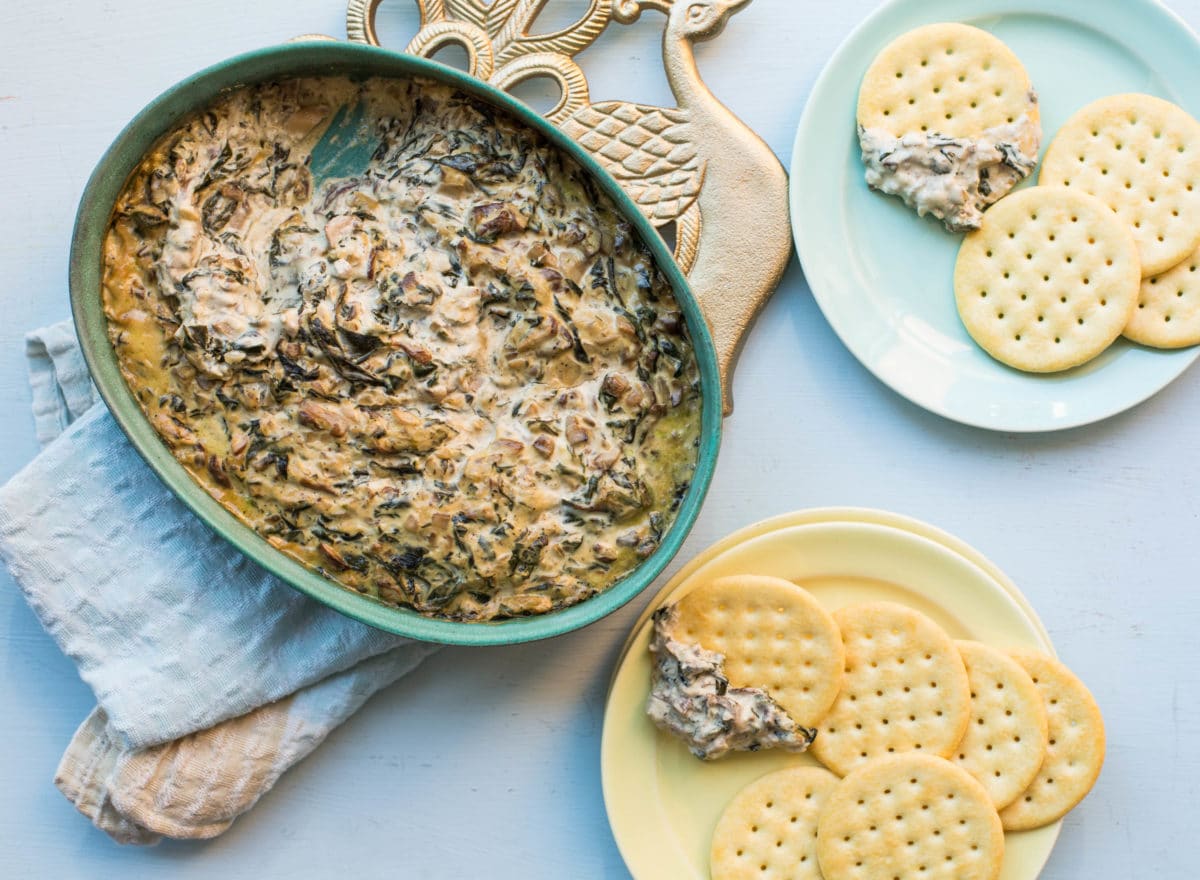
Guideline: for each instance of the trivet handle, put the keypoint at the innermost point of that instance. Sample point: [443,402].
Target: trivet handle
[360,21]
[436,34]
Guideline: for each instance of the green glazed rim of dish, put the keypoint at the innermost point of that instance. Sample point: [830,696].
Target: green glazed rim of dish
[333,58]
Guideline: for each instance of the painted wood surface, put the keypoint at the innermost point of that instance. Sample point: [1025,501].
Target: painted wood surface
[485,763]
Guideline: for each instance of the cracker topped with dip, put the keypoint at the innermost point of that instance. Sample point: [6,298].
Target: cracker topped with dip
[948,121]
[743,663]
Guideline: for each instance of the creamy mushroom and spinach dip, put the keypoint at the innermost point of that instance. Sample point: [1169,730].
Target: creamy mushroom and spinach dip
[690,698]
[455,381]
[953,178]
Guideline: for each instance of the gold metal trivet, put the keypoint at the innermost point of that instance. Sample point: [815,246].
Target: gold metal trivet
[695,165]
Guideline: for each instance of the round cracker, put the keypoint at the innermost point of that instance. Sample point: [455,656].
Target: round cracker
[1140,155]
[951,79]
[910,816]
[773,635]
[769,830]
[1168,307]
[1075,749]
[905,689]
[1048,281]
[1005,742]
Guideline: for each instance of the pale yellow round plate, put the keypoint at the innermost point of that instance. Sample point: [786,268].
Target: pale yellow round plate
[663,803]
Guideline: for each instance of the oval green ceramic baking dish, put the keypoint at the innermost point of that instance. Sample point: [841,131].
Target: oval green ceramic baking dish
[332,58]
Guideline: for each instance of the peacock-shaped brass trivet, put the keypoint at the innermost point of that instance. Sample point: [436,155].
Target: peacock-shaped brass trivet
[695,165]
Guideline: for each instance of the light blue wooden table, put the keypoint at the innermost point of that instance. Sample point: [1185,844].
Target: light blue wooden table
[485,763]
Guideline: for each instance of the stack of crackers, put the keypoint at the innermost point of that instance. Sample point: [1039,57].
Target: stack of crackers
[932,748]
[1108,242]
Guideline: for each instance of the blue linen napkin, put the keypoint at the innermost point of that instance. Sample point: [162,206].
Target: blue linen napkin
[177,633]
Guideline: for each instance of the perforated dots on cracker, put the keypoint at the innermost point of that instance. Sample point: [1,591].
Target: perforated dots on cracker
[1005,742]
[909,816]
[1140,155]
[1048,281]
[949,78]
[1075,747]
[1168,307]
[905,689]
[769,830]
[773,635]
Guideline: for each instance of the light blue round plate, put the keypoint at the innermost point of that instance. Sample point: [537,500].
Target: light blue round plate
[884,277]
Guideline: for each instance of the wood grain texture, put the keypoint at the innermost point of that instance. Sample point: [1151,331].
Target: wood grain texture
[485,763]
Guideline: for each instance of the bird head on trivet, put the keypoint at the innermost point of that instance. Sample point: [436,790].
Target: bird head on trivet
[695,165]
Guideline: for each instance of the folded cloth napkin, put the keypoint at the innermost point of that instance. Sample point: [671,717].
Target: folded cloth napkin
[211,676]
